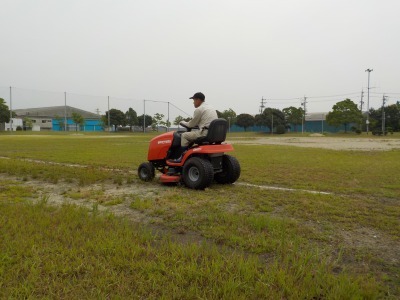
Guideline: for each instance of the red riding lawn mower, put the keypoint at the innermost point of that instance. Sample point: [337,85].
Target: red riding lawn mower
[202,163]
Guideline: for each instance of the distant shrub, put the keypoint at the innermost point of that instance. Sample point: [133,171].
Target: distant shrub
[19,128]
[280,129]
[378,132]
[358,131]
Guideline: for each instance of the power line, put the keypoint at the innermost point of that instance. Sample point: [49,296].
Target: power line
[300,98]
[386,93]
[347,94]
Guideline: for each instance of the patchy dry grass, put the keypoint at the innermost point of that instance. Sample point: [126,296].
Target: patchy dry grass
[254,243]
[67,252]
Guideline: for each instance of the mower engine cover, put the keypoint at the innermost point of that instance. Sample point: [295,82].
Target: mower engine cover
[159,146]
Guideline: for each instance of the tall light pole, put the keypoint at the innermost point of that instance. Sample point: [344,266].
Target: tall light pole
[11,111]
[369,72]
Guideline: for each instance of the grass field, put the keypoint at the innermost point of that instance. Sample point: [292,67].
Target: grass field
[76,222]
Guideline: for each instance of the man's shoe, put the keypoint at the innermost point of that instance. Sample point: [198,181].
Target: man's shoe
[179,159]
[176,160]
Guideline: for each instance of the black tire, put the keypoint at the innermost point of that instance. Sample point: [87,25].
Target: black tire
[230,170]
[197,173]
[146,171]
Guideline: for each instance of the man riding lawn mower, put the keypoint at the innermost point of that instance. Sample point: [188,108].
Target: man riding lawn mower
[194,157]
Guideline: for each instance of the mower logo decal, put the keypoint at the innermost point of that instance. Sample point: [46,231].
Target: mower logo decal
[164,142]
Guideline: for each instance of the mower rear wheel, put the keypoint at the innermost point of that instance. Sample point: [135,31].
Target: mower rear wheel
[230,170]
[197,173]
[146,171]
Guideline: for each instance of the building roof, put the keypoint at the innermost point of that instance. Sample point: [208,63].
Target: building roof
[53,112]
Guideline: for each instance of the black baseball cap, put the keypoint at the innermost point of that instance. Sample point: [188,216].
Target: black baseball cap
[198,96]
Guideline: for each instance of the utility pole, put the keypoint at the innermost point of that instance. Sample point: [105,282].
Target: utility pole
[168,118]
[109,118]
[262,104]
[11,112]
[304,117]
[272,129]
[361,101]
[383,113]
[144,116]
[65,111]
[361,106]
[369,72]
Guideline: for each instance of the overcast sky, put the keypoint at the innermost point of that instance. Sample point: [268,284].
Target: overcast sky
[235,52]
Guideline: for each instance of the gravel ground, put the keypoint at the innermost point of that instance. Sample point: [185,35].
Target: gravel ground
[363,144]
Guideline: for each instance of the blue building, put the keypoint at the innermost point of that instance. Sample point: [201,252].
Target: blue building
[53,118]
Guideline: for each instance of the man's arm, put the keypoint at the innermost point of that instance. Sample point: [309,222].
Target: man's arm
[196,119]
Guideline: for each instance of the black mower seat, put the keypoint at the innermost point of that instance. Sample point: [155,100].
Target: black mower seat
[216,133]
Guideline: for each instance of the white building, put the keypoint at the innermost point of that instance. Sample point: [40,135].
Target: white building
[15,124]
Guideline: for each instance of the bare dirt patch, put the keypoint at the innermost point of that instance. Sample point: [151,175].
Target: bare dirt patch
[333,143]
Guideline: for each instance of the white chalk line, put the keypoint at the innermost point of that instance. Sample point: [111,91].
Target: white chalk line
[264,187]
[268,187]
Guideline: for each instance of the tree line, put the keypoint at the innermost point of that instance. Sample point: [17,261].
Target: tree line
[343,113]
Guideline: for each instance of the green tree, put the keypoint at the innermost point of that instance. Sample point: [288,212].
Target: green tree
[259,120]
[392,117]
[78,120]
[148,119]
[293,116]
[344,113]
[271,117]
[4,112]
[166,123]
[178,120]
[245,120]
[131,118]
[228,115]
[157,121]
[117,118]
[28,123]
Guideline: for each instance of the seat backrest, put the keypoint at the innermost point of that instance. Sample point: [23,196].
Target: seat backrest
[217,131]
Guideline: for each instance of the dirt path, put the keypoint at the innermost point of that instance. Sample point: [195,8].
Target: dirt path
[333,143]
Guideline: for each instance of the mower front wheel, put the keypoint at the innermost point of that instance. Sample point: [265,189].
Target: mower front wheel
[197,173]
[146,171]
